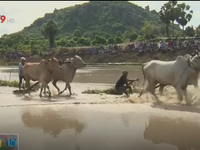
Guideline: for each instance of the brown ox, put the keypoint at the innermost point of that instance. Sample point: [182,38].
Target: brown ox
[41,72]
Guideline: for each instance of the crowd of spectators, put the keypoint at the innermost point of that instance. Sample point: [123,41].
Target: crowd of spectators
[140,48]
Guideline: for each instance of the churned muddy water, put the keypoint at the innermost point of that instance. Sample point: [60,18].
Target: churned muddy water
[100,122]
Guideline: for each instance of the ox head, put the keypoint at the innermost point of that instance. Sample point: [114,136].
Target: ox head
[53,64]
[76,61]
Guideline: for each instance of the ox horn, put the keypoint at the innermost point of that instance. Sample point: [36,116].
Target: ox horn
[47,60]
[67,60]
[189,61]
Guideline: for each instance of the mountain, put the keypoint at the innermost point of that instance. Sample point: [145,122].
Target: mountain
[103,18]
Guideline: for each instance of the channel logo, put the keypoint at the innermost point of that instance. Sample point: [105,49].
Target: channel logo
[9,141]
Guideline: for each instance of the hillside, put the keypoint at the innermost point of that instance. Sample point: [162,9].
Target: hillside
[103,18]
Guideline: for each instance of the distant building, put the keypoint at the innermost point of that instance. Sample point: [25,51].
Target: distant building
[147,8]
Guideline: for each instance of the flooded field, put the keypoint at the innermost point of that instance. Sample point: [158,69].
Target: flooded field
[92,74]
[101,122]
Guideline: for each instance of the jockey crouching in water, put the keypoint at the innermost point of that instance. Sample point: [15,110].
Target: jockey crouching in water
[21,76]
[123,84]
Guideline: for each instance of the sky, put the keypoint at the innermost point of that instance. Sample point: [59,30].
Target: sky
[24,13]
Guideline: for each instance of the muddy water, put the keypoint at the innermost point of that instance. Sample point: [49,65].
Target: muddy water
[102,127]
[59,124]
[91,74]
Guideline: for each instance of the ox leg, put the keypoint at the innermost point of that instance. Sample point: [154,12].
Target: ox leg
[161,88]
[41,91]
[180,94]
[70,91]
[186,97]
[44,84]
[66,86]
[54,84]
[151,89]
[49,91]
[44,90]
[28,86]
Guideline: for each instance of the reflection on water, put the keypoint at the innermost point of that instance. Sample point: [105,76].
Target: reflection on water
[51,121]
[183,134]
[99,128]
[90,74]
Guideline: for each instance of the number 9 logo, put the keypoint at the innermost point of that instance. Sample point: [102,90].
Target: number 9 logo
[2,18]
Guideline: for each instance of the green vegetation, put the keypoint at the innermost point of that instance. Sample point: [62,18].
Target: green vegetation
[172,11]
[9,83]
[111,91]
[100,22]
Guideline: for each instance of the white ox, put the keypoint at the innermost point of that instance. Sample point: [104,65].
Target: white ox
[176,73]
[193,81]
[68,72]
[41,72]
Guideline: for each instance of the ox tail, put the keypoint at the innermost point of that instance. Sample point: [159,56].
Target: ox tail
[144,79]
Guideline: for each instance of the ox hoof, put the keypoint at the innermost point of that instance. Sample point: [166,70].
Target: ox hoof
[178,102]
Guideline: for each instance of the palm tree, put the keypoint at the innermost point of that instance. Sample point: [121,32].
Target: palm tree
[173,12]
[184,13]
[164,14]
[49,31]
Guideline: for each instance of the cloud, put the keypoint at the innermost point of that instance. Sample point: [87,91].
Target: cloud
[27,12]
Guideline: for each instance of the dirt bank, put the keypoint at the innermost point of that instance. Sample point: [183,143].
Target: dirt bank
[120,57]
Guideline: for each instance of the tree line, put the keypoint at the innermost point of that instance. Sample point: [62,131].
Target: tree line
[172,11]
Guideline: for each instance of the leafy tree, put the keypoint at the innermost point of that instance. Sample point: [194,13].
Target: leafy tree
[49,31]
[4,36]
[87,42]
[75,38]
[77,33]
[15,39]
[140,38]
[198,31]
[133,36]
[100,40]
[148,30]
[119,33]
[62,42]
[88,34]
[111,40]
[189,31]
[118,27]
[118,40]
[71,43]
[83,41]
[185,14]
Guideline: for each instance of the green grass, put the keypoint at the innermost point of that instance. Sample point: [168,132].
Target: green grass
[111,91]
[9,83]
